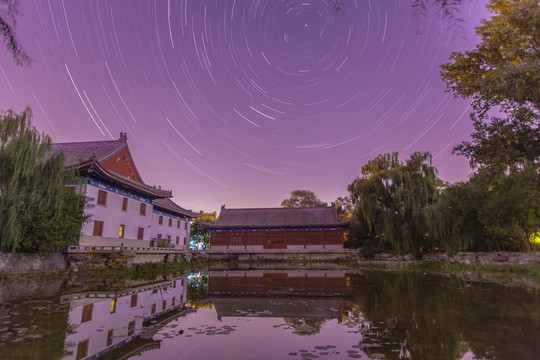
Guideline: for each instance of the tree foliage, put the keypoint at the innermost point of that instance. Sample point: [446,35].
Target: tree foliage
[504,143]
[37,211]
[488,212]
[392,195]
[303,198]
[504,67]
[344,208]
[199,234]
[9,11]
[499,208]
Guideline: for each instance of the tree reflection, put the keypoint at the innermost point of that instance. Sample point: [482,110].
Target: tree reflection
[197,286]
[420,316]
[305,326]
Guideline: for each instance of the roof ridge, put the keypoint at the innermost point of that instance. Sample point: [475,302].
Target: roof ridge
[89,142]
[281,208]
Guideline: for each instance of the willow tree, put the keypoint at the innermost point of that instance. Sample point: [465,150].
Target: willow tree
[392,197]
[37,211]
[9,11]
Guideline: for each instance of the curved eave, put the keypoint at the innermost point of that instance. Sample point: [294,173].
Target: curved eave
[186,213]
[145,189]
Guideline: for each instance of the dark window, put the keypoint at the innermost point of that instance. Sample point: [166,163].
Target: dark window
[295,237]
[140,233]
[98,228]
[185,240]
[178,224]
[237,238]
[178,240]
[275,238]
[131,328]
[82,349]
[170,222]
[334,237]
[87,312]
[185,225]
[174,284]
[102,198]
[160,221]
[110,336]
[124,204]
[219,238]
[133,300]
[173,301]
[159,236]
[313,237]
[153,311]
[163,304]
[254,238]
[142,210]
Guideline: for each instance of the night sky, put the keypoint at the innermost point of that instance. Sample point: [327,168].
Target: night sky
[239,102]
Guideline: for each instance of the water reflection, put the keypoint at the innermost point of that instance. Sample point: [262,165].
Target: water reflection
[305,299]
[105,320]
[274,315]
[434,317]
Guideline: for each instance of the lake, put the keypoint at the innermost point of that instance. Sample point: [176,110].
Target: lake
[277,314]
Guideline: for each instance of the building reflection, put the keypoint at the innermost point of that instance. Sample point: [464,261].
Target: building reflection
[103,321]
[300,294]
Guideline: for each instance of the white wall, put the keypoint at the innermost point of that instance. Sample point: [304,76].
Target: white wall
[96,329]
[166,230]
[112,215]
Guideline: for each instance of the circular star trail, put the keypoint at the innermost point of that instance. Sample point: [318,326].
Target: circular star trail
[239,102]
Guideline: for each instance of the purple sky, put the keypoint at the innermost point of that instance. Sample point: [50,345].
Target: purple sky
[239,102]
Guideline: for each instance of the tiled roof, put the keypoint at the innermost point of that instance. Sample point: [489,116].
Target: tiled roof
[150,190]
[277,217]
[169,205]
[87,156]
[80,153]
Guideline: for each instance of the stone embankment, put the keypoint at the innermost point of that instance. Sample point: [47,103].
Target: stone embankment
[31,263]
[468,258]
[34,263]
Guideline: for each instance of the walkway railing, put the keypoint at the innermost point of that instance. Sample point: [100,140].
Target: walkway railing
[76,249]
[271,251]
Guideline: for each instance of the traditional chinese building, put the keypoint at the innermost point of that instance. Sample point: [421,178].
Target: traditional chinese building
[277,228]
[123,207]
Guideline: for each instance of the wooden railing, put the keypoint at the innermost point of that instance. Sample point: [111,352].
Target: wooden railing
[76,249]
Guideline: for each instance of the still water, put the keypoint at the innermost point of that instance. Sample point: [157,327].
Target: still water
[325,314]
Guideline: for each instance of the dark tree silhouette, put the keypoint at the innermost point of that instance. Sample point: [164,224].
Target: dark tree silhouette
[9,11]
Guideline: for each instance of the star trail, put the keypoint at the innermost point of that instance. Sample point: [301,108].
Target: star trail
[239,102]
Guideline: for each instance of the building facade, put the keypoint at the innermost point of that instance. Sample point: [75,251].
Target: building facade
[122,209]
[170,223]
[314,228]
